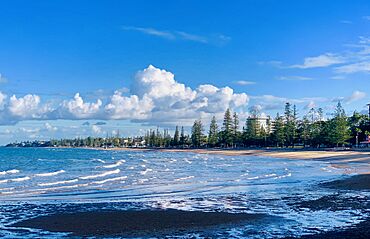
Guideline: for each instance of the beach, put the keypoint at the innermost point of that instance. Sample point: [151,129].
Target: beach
[187,193]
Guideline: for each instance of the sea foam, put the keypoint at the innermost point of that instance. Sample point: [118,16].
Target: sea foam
[118,163]
[49,174]
[12,171]
[101,175]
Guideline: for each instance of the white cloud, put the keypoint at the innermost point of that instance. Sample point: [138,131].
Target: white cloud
[96,129]
[323,60]
[49,127]
[157,84]
[356,95]
[150,31]
[27,107]
[244,82]
[366,18]
[132,107]
[217,39]
[2,100]
[310,105]
[353,68]
[294,78]
[79,109]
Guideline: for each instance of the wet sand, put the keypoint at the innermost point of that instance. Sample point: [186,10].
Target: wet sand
[357,182]
[134,223]
[339,156]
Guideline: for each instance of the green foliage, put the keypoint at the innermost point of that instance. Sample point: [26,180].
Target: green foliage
[197,136]
[213,133]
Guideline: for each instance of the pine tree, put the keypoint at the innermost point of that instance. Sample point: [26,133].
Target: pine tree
[197,133]
[235,128]
[176,137]
[252,131]
[339,132]
[213,132]
[182,137]
[279,132]
[227,133]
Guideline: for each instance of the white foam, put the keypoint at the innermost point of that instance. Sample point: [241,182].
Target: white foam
[65,187]
[4,189]
[146,171]
[110,180]
[12,171]
[58,182]
[99,160]
[143,180]
[284,176]
[49,174]
[184,178]
[118,163]
[15,179]
[101,175]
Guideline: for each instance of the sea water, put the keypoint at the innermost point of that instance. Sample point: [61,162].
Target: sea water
[41,181]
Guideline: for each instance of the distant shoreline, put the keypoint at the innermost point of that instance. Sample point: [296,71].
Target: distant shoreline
[332,155]
[308,154]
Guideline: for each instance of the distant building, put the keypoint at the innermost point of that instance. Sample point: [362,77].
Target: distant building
[262,121]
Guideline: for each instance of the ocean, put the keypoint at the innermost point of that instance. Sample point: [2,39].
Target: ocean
[42,181]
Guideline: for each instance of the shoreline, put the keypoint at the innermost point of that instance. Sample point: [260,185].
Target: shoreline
[339,156]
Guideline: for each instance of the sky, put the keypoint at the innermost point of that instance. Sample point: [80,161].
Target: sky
[92,68]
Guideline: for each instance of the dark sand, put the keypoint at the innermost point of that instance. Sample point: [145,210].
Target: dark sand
[135,223]
[335,202]
[357,182]
[358,231]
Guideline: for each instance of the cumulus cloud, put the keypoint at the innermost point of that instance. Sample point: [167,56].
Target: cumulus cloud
[155,97]
[79,109]
[132,107]
[323,60]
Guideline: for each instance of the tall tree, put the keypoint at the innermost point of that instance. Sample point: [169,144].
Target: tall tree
[197,133]
[176,136]
[235,129]
[289,125]
[339,132]
[227,134]
[182,137]
[252,131]
[278,134]
[213,132]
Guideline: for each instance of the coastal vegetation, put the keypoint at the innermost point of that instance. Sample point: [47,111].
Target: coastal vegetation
[287,130]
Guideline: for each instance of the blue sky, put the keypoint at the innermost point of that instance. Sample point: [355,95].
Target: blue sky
[311,53]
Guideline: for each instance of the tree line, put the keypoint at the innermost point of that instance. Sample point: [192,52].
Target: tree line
[284,130]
